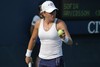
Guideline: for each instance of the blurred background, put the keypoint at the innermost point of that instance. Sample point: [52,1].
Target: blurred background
[82,19]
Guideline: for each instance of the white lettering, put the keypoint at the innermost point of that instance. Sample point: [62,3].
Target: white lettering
[93,27]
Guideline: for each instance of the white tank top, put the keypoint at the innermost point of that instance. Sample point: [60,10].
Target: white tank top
[51,44]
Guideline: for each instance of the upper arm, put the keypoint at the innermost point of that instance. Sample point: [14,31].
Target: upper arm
[35,30]
[61,25]
[31,29]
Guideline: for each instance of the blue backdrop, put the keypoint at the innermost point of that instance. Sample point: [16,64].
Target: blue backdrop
[15,21]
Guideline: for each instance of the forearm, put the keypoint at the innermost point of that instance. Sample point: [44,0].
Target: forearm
[31,44]
[30,47]
[70,41]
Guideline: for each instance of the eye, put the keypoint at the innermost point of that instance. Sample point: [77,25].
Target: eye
[53,12]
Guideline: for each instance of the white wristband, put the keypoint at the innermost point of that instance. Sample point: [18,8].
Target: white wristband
[66,40]
[28,53]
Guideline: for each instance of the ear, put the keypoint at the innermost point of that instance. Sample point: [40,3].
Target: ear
[44,13]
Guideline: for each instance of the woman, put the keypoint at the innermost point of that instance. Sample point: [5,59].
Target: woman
[50,54]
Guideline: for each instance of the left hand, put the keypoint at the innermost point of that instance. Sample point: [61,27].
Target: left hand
[63,35]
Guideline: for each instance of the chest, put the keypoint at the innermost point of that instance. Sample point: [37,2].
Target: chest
[50,34]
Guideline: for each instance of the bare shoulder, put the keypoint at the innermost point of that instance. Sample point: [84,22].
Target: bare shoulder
[37,23]
[60,21]
[61,24]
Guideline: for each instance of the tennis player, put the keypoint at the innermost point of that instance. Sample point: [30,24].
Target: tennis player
[50,54]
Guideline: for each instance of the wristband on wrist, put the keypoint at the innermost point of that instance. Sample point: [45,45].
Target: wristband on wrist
[66,40]
[28,53]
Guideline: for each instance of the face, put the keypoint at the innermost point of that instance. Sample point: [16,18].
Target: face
[50,16]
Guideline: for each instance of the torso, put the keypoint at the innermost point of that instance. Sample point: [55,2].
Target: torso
[51,44]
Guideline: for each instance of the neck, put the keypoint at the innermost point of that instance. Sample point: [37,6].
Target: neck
[48,21]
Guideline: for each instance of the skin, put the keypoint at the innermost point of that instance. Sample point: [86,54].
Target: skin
[48,21]
[31,30]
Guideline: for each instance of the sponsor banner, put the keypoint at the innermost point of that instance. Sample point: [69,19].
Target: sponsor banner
[83,27]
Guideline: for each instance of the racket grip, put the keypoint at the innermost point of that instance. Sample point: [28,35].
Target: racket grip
[29,64]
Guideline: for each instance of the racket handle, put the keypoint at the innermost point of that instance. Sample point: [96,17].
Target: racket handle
[29,64]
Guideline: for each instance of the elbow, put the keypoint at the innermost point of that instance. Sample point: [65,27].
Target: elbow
[70,42]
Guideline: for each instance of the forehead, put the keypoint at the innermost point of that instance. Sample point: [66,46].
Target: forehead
[53,11]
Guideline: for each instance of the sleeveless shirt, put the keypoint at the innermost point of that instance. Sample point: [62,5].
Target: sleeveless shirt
[51,44]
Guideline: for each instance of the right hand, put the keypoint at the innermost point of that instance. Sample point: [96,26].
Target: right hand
[28,59]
